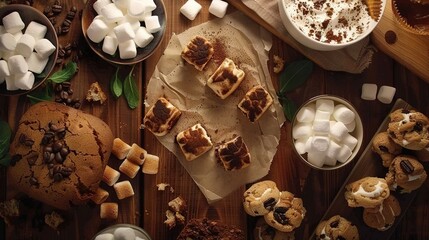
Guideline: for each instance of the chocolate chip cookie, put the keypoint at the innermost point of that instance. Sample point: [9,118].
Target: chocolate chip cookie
[368,192]
[384,146]
[406,173]
[260,198]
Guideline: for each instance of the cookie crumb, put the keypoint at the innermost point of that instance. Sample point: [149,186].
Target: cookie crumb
[279,64]
[54,220]
[95,93]
[163,186]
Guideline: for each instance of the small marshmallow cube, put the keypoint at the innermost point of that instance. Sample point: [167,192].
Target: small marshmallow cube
[190,9]
[152,24]
[25,45]
[325,105]
[343,114]
[338,131]
[138,7]
[300,145]
[321,127]
[333,150]
[143,37]
[97,30]
[44,48]
[322,115]
[316,158]
[10,83]
[36,64]
[4,71]
[122,4]
[99,4]
[7,54]
[369,91]
[350,141]
[134,22]
[24,81]
[37,30]
[142,16]
[319,144]
[124,233]
[124,32]
[7,42]
[306,114]
[218,8]
[302,130]
[13,23]
[105,236]
[127,49]
[17,64]
[112,13]
[344,153]
[110,45]
[351,126]
[386,94]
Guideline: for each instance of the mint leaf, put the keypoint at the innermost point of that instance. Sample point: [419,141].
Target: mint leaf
[5,161]
[289,108]
[5,135]
[294,75]
[41,94]
[64,74]
[131,91]
[116,86]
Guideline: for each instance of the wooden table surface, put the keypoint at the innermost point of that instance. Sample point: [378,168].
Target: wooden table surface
[317,188]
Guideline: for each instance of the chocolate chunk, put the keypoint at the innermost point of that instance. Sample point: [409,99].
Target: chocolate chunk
[334,224]
[418,127]
[33,181]
[269,203]
[58,177]
[405,111]
[32,158]
[279,215]
[406,166]
[383,149]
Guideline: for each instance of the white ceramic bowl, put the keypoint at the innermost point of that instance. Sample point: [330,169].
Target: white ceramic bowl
[357,132]
[137,230]
[312,43]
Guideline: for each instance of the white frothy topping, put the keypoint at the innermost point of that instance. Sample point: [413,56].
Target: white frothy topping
[373,194]
[268,190]
[330,21]
[414,177]
[324,233]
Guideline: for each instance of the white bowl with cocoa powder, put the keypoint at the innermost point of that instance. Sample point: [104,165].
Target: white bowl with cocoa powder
[327,25]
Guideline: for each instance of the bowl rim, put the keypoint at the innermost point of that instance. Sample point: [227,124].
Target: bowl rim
[118,225]
[23,7]
[116,60]
[359,136]
[333,46]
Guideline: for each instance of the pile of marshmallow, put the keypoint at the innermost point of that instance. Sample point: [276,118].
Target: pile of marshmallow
[191,8]
[123,24]
[323,131]
[22,54]
[120,233]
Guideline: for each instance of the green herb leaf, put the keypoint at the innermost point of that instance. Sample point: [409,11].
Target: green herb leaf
[5,161]
[131,90]
[5,135]
[116,86]
[289,108]
[64,74]
[294,75]
[41,94]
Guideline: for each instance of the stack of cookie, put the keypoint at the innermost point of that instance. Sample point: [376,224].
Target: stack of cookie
[335,228]
[281,210]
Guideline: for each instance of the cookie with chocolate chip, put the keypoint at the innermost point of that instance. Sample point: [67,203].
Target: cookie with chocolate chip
[384,146]
[287,214]
[368,192]
[382,217]
[260,198]
[409,129]
[263,231]
[336,228]
[406,173]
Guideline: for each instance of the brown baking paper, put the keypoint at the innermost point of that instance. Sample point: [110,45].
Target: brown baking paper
[238,38]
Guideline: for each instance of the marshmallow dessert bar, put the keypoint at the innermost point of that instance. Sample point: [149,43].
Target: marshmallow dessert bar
[198,52]
[233,154]
[256,101]
[194,142]
[226,79]
[161,117]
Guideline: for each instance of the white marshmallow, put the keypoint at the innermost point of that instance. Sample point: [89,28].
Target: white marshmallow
[134,22]
[10,83]
[7,54]
[329,161]
[112,13]
[386,94]
[4,71]
[351,126]
[316,158]
[308,143]
[152,24]
[142,16]
[321,127]
[218,8]
[143,37]
[124,32]
[344,153]
[306,114]
[127,49]
[300,145]
[338,131]
[17,64]
[190,9]
[122,4]
[2,30]
[25,45]
[105,236]
[36,64]
[24,81]
[97,30]
[44,48]
[350,141]
[124,233]
[99,4]
[110,45]
[37,30]
[325,105]
[138,7]
[343,114]
[369,91]
[319,144]
[333,150]
[7,42]
[13,23]
[302,130]
[17,35]
[322,115]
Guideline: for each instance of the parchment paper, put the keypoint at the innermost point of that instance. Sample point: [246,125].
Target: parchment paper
[238,38]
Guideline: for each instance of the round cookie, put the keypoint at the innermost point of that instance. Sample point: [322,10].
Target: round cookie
[59,154]
[338,227]
[409,129]
[382,217]
[407,173]
[260,198]
[263,231]
[384,146]
[287,214]
[368,192]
